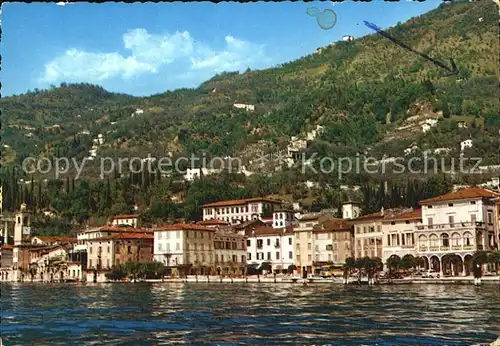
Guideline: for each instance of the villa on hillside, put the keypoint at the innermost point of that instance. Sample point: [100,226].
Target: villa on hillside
[241,210]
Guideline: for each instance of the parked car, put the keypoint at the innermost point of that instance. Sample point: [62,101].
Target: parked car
[431,274]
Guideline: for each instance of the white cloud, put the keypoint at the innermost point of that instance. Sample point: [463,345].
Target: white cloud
[237,55]
[150,52]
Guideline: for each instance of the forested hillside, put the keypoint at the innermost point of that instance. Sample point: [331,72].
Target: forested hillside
[363,93]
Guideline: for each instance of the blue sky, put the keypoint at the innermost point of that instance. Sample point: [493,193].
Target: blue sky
[148,48]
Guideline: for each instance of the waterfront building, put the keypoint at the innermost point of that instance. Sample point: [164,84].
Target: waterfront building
[184,244]
[333,243]
[368,235]
[230,252]
[241,210]
[105,252]
[497,220]
[79,253]
[49,262]
[455,225]
[271,245]
[303,240]
[398,234]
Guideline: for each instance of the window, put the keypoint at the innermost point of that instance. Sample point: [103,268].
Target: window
[90,263]
[269,256]
[243,259]
[429,222]
[268,241]
[445,241]
[178,234]
[316,236]
[316,248]
[277,255]
[309,257]
[289,240]
[260,243]
[472,202]
[490,218]
[309,234]
[309,246]
[298,258]
[429,207]
[329,257]
[389,240]
[177,246]
[249,242]
[90,249]
[160,235]
[473,218]
[450,204]
[451,220]
[129,249]
[290,254]
[249,256]
[159,247]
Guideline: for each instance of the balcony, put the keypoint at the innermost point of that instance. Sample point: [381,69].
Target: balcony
[433,248]
[455,226]
[422,248]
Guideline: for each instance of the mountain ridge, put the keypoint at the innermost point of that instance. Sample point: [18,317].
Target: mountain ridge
[357,90]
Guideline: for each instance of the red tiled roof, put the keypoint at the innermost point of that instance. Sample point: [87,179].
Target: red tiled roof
[468,193]
[53,239]
[7,246]
[332,225]
[311,216]
[240,202]
[183,226]
[214,222]
[125,235]
[368,217]
[268,231]
[126,216]
[409,215]
[119,229]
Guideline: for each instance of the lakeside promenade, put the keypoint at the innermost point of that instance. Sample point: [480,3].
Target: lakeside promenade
[217,279]
[467,280]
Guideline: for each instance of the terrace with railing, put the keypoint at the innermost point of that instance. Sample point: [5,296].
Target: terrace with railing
[454,226]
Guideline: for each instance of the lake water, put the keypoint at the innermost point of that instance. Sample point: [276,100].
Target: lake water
[238,314]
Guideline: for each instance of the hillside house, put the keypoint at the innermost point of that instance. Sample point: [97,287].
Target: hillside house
[244,106]
[465,144]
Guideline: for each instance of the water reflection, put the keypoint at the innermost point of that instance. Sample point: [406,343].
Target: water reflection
[264,314]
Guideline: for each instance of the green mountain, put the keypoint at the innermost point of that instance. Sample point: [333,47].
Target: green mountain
[369,95]
[359,91]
